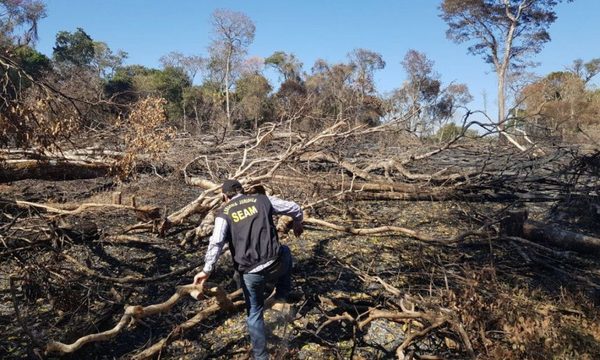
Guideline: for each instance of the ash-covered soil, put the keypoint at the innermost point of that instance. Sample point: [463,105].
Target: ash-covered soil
[513,301]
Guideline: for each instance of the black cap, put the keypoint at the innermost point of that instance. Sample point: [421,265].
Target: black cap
[231,186]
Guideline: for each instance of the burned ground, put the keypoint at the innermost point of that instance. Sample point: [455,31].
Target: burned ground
[480,294]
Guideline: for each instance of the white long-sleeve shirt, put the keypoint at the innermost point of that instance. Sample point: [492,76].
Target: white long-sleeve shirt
[219,235]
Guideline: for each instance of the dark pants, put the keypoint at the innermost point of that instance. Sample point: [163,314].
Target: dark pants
[254,293]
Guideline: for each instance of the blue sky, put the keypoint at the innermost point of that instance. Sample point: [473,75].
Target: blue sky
[312,29]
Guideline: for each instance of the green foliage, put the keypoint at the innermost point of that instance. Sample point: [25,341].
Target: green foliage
[252,93]
[252,85]
[31,64]
[120,87]
[485,24]
[212,89]
[31,61]
[505,33]
[120,90]
[76,48]
[451,131]
[170,83]
[204,104]
[129,82]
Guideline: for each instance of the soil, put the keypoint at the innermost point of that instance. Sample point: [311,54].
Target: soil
[514,301]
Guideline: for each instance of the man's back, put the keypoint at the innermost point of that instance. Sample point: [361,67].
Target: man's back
[252,235]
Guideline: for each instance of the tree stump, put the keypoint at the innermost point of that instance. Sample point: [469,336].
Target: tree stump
[512,223]
[116,198]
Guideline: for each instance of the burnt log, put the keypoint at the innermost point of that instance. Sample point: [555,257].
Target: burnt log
[566,239]
[15,170]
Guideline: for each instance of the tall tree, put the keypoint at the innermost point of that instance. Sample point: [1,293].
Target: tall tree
[504,32]
[330,84]
[365,62]
[75,74]
[420,91]
[190,64]
[170,84]
[234,32]
[252,90]
[585,70]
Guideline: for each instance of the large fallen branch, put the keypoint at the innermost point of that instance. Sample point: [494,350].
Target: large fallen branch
[190,323]
[370,231]
[19,164]
[134,313]
[386,230]
[515,224]
[150,211]
[198,318]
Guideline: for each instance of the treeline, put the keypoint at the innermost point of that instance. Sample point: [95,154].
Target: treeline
[563,105]
[85,84]
[224,89]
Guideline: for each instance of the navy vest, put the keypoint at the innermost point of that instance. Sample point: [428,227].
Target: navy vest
[252,235]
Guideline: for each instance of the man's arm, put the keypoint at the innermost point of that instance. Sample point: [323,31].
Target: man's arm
[289,208]
[215,246]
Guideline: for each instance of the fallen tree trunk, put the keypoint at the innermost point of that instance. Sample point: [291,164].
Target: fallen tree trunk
[327,183]
[539,232]
[19,164]
[14,170]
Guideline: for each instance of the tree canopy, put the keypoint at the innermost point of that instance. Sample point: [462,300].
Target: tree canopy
[504,32]
[76,48]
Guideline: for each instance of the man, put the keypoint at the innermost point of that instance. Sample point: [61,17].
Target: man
[246,223]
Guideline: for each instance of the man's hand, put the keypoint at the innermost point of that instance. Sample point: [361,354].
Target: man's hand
[200,278]
[298,228]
